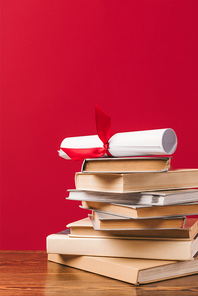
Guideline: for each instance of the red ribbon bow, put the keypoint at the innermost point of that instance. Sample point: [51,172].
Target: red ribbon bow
[103,126]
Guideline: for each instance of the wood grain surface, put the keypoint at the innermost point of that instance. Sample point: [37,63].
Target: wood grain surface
[29,273]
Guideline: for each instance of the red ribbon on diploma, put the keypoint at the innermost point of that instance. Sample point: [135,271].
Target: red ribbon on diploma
[103,127]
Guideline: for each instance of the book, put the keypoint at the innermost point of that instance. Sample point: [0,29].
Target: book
[61,243]
[102,221]
[84,228]
[166,197]
[142,211]
[132,164]
[133,271]
[137,182]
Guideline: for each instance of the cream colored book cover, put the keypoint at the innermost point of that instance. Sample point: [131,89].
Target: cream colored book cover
[125,248]
[84,228]
[137,182]
[134,271]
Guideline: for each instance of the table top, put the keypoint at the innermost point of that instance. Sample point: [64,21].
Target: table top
[29,273]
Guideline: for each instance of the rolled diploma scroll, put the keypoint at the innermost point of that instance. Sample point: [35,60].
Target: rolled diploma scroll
[140,143]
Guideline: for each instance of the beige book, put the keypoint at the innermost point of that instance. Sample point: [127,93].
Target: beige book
[130,164]
[142,211]
[84,228]
[125,248]
[136,182]
[133,271]
[103,221]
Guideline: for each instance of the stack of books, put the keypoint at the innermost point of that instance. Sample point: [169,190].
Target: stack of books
[140,225]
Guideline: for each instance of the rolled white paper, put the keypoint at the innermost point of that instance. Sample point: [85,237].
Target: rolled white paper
[140,143]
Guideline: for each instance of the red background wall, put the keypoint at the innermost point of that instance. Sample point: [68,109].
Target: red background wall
[136,59]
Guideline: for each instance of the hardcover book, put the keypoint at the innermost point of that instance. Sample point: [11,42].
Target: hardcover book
[163,197]
[102,221]
[142,211]
[130,164]
[137,182]
[133,271]
[61,243]
[84,228]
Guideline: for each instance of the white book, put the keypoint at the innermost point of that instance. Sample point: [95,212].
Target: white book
[166,197]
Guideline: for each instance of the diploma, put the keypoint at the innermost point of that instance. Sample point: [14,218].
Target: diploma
[138,143]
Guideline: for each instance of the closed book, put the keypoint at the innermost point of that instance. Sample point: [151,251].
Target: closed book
[133,271]
[163,197]
[103,221]
[126,248]
[137,182]
[124,164]
[142,211]
[84,228]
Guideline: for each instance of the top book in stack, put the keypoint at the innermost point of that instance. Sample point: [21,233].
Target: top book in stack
[126,164]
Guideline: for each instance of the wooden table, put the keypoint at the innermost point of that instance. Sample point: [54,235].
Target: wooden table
[29,273]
